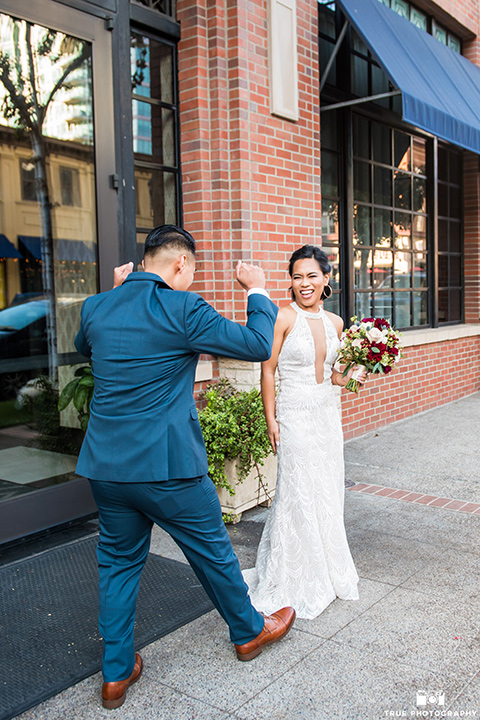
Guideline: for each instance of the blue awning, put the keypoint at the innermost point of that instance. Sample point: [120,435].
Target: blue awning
[7,249]
[440,88]
[75,250]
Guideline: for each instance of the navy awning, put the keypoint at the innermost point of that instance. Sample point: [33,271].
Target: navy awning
[75,250]
[7,249]
[440,88]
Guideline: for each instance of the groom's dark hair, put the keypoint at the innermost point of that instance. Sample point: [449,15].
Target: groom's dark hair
[169,237]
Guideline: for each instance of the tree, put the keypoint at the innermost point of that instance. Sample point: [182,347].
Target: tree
[26,105]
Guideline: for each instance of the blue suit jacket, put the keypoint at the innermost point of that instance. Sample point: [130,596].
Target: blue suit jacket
[144,340]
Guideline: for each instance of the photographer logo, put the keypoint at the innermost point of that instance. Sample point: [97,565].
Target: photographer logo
[424,699]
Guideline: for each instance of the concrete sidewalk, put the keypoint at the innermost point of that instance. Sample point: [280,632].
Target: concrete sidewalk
[414,633]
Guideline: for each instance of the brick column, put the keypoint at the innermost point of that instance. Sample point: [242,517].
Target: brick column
[251,181]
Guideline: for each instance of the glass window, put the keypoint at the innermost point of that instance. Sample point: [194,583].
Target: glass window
[390,229]
[362,264]
[454,43]
[361,181]
[401,8]
[70,187]
[382,143]
[329,172]
[155,131]
[330,232]
[359,76]
[418,18]
[382,227]
[382,185]
[27,177]
[362,225]
[450,240]
[361,136]
[402,159]
[441,35]
[419,163]
[45,289]
[402,192]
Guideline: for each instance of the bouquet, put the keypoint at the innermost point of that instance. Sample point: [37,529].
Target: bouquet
[372,344]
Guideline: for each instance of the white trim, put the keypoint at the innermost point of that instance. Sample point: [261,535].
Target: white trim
[412,338]
[282,58]
[204,371]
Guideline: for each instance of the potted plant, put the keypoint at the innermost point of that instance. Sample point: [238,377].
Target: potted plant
[240,459]
[80,391]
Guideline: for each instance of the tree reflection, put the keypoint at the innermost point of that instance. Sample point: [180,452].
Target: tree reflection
[36,70]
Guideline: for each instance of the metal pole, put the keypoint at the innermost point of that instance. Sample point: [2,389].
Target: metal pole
[335,106]
[333,55]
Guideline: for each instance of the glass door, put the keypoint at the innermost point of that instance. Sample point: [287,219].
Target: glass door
[53,178]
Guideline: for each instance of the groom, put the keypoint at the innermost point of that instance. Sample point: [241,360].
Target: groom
[144,452]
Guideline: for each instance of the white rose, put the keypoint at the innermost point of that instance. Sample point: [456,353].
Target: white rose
[357,343]
[375,335]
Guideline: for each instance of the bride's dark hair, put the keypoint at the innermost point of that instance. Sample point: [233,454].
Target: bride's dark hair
[305,253]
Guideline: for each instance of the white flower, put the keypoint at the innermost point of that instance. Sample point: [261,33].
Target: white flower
[375,335]
[357,343]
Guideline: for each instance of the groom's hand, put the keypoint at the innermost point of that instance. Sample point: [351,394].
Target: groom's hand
[250,276]
[120,273]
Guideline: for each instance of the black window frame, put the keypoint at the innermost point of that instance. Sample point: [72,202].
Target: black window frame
[155,166]
[382,111]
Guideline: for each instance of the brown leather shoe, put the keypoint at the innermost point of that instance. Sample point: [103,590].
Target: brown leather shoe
[276,627]
[114,693]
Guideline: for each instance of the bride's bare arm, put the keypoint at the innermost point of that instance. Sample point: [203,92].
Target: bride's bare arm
[283,325]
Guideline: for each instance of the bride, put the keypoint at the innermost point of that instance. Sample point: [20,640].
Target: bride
[303,558]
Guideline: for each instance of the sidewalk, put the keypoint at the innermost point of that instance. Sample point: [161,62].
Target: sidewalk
[414,632]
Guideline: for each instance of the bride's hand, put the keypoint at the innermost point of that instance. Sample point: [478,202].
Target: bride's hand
[362,376]
[274,435]
[121,273]
[342,381]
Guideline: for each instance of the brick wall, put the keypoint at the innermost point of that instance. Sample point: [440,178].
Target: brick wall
[251,181]
[471,234]
[251,187]
[427,377]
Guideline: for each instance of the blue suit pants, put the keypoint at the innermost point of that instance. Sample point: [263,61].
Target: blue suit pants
[189,510]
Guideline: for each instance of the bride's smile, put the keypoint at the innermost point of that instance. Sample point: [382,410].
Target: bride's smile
[308,283]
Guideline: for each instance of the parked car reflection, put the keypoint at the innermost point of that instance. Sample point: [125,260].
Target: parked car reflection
[23,339]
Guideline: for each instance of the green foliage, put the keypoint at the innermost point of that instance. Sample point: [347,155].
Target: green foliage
[229,517]
[234,428]
[80,391]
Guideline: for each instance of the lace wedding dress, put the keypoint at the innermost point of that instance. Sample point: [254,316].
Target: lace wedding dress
[303,559]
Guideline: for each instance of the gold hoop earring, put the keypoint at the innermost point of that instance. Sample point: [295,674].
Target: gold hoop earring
[327,292]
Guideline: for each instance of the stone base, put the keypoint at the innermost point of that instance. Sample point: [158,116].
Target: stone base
[250,493]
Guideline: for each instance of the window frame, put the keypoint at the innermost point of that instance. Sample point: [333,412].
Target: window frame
[153,166]
[386,115]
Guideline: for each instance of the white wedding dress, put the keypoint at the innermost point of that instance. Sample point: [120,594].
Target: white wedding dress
[303,559]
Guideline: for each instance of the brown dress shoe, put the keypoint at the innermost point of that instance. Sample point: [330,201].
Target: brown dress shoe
[114,693]
[275,628]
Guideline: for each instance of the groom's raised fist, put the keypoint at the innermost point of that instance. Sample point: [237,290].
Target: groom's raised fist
[250,276]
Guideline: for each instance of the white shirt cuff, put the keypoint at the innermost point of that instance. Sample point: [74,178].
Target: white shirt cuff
[258,291]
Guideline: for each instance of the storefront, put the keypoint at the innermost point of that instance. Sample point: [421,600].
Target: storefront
[253,124]
[89,161]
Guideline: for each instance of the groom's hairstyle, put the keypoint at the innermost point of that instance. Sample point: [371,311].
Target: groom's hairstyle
[168,237]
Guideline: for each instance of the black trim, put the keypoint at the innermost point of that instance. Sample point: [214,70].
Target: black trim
[46,508]
[154,21]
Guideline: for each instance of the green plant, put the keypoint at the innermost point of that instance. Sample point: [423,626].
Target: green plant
[234,428]
[80,391]
[39,397]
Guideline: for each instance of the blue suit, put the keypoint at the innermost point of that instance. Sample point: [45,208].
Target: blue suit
[144,452]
